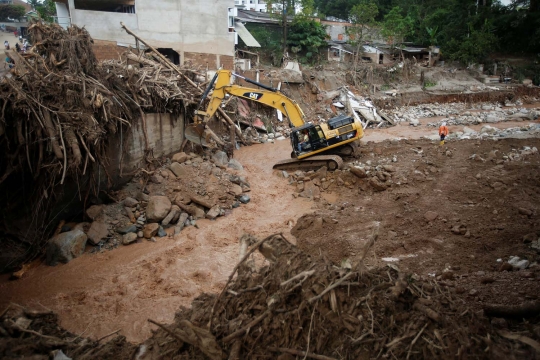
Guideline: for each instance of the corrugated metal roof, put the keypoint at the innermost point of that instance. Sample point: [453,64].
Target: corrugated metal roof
[245,35]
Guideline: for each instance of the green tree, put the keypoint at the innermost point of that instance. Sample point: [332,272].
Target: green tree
[307,36]
[396,27]
[47,10]
[363,19]
[475,47]
[34,3]
[283,10]
[14,12]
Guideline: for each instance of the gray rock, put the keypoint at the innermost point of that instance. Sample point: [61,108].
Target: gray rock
[239,180]
[156,179]
[65,247]
[236,189]
[158,208]
[178,170]
[94,211]
[59,355]
[431,215]
[178,228]
[127,229]
[459,229]
[150,230]
[234,164]
[213,212]
[244,199]
[97,232]
[174,211]
[129,238]
[130,202]
[206,168]
[220,158]
[285,174]
[180,157]
[183,217]
[161,232]
[522,264]
[358,172]
[142,196]
[514,260]
[235,205]
[468,130]
[140,234]
[486,129]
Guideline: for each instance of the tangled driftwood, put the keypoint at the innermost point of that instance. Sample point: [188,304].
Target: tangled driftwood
[296,305]
[59,107]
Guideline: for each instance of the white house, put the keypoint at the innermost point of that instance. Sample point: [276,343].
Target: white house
[200,32]
[253,5]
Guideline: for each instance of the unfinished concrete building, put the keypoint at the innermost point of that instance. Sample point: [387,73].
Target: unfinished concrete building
[197,32]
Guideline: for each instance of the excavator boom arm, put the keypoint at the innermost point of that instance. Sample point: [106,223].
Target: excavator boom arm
[270,98]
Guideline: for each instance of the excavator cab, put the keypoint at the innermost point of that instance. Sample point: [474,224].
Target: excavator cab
[307,138]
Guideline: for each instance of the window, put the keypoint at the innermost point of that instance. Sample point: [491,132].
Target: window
[170,54]
[232,12]
[120,6]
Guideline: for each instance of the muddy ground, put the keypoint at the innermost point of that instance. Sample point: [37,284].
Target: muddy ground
[436,189]
[495,199]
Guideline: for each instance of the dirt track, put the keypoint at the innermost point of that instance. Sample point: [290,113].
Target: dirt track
[120,289]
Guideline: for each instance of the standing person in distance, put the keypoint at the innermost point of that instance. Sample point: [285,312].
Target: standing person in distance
[443,132]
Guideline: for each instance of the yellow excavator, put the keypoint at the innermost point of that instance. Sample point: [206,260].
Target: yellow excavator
[313,145]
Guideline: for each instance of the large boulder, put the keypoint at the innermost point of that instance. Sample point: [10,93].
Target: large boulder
[65,247]
[220,158]
[158,208]
[235,164]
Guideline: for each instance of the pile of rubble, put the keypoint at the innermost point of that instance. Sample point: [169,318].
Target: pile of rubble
[188,188]
[463,114]
[361,176]
[284,303]
[513,155]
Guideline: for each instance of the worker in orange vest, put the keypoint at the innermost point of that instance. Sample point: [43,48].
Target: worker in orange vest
[443,132]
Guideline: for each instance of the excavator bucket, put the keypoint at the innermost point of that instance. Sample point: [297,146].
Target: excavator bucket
[195,134]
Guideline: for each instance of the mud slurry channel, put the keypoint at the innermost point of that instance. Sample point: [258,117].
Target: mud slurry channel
[122,288]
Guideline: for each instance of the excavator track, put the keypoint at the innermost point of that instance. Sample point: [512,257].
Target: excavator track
[332,162]
[344,150]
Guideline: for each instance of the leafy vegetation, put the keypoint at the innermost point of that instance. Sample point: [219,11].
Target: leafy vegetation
[46,10]
[465,30]
[306,38]
[14,12]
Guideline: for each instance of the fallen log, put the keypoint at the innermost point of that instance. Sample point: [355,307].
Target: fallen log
[525,310]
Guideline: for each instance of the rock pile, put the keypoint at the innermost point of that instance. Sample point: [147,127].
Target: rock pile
[190,187]
[463,114]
